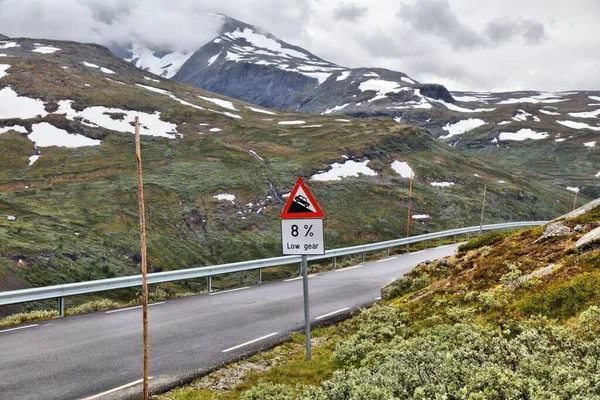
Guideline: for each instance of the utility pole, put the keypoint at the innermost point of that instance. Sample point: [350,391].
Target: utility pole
[140,186]
[482,210]
[408,217]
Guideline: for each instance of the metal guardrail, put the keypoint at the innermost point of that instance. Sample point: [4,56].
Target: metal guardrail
[102,285]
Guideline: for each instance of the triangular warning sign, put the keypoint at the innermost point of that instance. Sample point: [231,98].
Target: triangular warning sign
[301,204]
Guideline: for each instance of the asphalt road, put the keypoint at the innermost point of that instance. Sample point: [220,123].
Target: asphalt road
[95,355]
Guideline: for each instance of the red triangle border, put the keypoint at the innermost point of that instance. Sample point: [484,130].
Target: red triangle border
[285,213]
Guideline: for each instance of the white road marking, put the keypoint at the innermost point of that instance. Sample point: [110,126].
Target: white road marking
[387,259]
[100,395]
[132,308]
[298,278]
[348,269]
[332,313]
[19,328]
[417,252]
[250,342]
[229,291]
[443,247]
[377,298]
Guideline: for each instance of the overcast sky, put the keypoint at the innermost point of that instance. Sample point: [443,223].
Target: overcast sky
[485,45]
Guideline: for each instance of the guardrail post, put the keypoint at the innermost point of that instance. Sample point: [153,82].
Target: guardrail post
[209,284]
[454,238]
[334,262]
[61,307]
[468,235]
[387,252]
[299,269]
[441,241]
[362,257]
[425,245]
[259,276]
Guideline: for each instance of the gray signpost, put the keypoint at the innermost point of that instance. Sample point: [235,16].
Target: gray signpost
[302,233]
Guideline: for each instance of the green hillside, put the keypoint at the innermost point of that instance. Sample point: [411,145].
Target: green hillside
[72,214]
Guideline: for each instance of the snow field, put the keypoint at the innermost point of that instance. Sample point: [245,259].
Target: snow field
[403,169]
[522,134]
[461,127]
[346,169]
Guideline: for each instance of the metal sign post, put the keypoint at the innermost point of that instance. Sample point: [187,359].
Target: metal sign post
[302,233]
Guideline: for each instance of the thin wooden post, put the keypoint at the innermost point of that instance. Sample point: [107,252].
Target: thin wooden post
[482,209]
[409,211]
[140,186]
[575,201]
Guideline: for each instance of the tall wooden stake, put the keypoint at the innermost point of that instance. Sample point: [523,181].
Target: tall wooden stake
[575,201]
[408,217]
[140,185]
[482,209]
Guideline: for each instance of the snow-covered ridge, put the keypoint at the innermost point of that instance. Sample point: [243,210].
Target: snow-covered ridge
[166,66]
[522,134]
[249,46]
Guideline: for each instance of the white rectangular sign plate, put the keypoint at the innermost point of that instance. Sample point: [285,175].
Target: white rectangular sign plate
[302,236]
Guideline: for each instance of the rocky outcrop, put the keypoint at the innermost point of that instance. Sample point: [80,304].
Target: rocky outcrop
[589,241]
[554,229]
[3,36]
[581,210]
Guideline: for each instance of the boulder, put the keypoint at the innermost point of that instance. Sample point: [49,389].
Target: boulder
[553,230]
[589,241]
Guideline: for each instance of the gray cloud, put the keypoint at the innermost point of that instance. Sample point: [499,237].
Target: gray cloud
[502,30]
[349,12]
[437,18]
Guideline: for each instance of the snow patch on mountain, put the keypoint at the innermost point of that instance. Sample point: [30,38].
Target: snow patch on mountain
[335,109]
[166,66]
[14,106]
[45,50]
[381,87]
[8,45]
[16,128]
[590,144]
[540,98]
[258,110]
[522,134]
[461,127]
[403,169]
[442,184]
[119,120]
[222,103]
[46,135]
[291,122]
[3,69]
[549,112]
[586,114]
[578,125]
[344,170]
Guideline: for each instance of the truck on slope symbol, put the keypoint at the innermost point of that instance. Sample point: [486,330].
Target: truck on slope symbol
[302,200]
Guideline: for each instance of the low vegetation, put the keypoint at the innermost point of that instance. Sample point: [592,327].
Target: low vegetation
[508,317]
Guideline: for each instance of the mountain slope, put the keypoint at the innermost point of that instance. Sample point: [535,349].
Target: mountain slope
[216,172]
[3,36]
[553,135]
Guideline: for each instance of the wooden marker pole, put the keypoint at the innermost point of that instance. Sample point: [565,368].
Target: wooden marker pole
[482,209]
[140,186]
[575,201]
[408,217]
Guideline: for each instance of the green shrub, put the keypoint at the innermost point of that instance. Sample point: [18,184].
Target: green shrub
[487,239]
[493,300]
[23,318]
[564,299]
[93,306]
[467,361]
[407,284]
[269,391]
